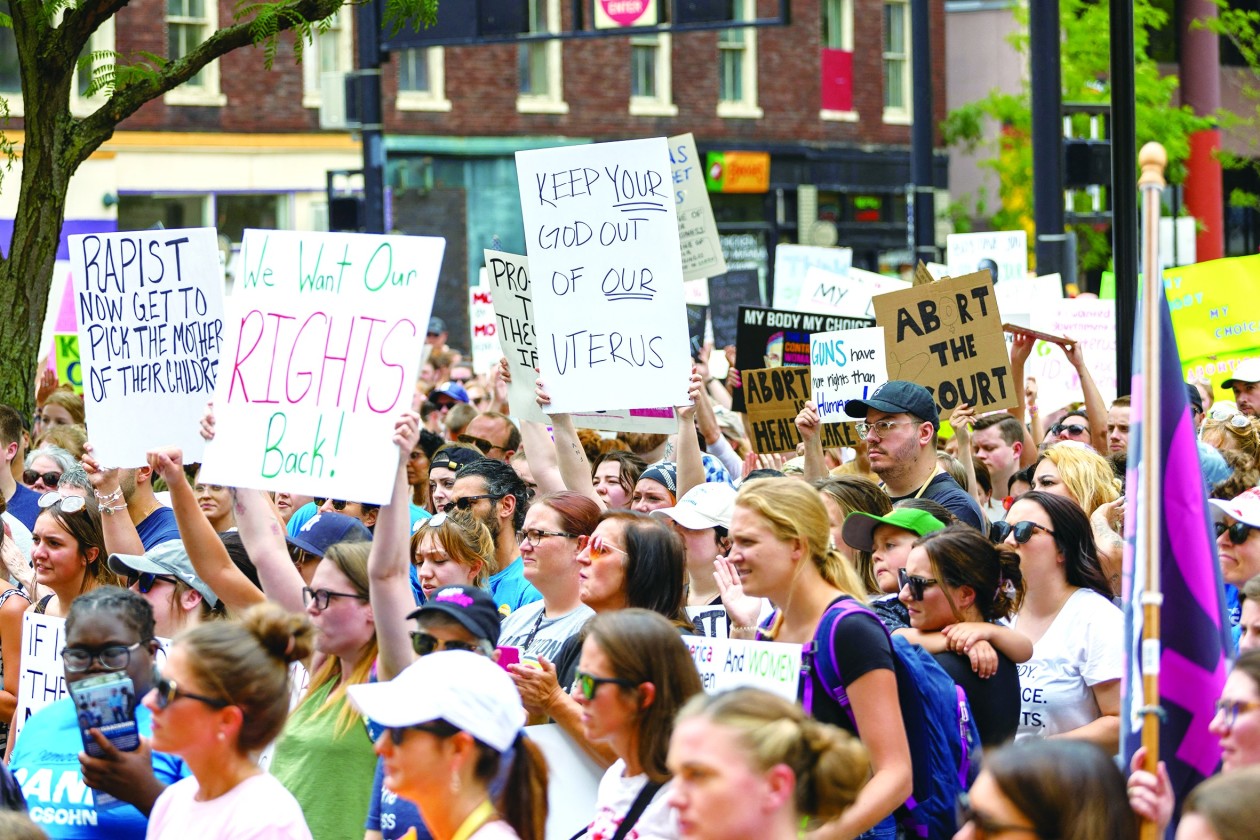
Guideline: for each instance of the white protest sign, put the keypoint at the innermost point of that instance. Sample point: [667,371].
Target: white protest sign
[572,781]
[602,238]
[511,295]
[150,315]
[322,344]
[845,365]
[1008,249]
[709,620]
[848,294]
[732,663]
[1018,299]
[696,292]
[485,344]
[793,262]
[697,231]
[1092,323]
[652,421]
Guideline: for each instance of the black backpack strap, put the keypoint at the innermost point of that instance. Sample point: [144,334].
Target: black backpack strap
[640,804]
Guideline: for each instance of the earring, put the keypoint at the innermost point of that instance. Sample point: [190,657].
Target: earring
[222,736]
[455,782]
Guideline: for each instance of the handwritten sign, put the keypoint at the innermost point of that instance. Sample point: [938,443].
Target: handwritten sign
[845,365]
[947,336]
[734,663]
[1092,324]
[321,348]
[1018,299]
[697,231]
[792,264]
[773,398]
[150,316]
[709,620]
[601,233]
[727,293]
[66,356]
[848,294]
[512,299]
[481,321]
[1007,249]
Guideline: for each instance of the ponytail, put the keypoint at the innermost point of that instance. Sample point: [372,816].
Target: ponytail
[523,800]
[834,770]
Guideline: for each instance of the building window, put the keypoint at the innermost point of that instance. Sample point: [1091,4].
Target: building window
[897,61]
[102,40]
[837,25]
[836,40]
[188,24]
[651,93]
[329,55]
[737,67]
[10,72]
[421,79]
[541,87]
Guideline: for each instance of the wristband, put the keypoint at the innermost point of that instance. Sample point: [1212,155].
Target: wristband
[109,499]
[110,510]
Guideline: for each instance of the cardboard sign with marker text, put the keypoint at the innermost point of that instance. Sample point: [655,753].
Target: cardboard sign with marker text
[697,231]
[774,396]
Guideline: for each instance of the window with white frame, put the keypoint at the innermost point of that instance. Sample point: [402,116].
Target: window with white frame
[541,83]
[10,72]
[421,79]
[737,66]
[188,24]
[329,53]
[837,34]
[651,93]
[897,90]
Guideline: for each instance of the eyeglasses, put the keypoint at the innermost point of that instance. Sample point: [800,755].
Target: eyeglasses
[1238,532]
[588,684]
[69,504]
[964,814]
[880,427]
[145,580]
[468,501]
[1229,710]
[599,548]
[437,728]
[218,488]
[321,597]
[1023,531]
[533,536]
[1071,429]
[917,584]
[481,443]
[111,657]
[425,643]
[168,692]
[337,504]
[50,478]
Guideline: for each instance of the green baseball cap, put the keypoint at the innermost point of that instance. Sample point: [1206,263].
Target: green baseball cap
[859,528]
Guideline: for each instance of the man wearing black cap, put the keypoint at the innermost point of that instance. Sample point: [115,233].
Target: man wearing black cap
[900,433]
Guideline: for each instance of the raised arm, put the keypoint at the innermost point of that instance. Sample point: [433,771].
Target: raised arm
[389,582]
[120,532]
[960,421]
[690,463]
[809,425]
[1094,405]
[1021,349]
[575,469]
[263,536]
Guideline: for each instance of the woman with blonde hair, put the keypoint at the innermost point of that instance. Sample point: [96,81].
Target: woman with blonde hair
[452,548]
[1075,472]
[750,765]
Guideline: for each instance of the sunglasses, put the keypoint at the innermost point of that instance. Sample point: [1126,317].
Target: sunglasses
[1023,531]
[321,597]
[481,443]
[1071,429]
[50,478]
[1238,532]
[168,692]
[69,504]
[425,643]
[599,548]
[111,657]
[468,501]
[588,684]
[437,728]
[917,584]
[145,580]
[337,504]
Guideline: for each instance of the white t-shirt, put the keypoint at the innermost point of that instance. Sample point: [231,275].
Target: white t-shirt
[1083,646]
[616,795]
[518,627]
[259,808]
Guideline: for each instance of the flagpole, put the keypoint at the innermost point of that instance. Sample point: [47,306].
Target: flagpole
[1152,158]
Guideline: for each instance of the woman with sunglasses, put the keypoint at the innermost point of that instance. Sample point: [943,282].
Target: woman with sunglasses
[107,630]
[45,466]
[222,696]
[1078,473]
[446,462]
[1237,546]
[1071,685]
[68,554]
[164,575]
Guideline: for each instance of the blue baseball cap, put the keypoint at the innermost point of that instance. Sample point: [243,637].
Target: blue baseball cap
[449,389]
[325,529]
[898,397]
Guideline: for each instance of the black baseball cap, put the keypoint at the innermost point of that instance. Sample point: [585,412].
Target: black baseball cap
[898,397]
[473,608]
[454,457]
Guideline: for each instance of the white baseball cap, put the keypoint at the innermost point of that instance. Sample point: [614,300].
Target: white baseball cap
[1247,372]
[708,505]
[464,689]
[1245,507]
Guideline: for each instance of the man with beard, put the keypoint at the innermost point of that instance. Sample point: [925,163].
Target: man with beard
[900,433]
[496,495]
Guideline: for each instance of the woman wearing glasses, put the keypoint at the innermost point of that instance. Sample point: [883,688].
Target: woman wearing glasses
[1071,685]
[223,695]
[45,466]
[164,575]
[68,554]
[107,630]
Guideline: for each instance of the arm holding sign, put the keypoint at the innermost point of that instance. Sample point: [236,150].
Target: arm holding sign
[11,650]
[540,449]
[808,424]
[690,464]
[263,536]
[1021,349]
[575,469]
[116,524]
[960,421]
[1095,406]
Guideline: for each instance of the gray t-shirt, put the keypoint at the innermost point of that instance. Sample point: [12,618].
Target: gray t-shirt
[529,629]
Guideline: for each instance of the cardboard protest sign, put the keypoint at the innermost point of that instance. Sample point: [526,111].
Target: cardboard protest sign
[848,294]
[602,240]
[845,365]
[947,337]
[791,268]
[1006,249]
[772,337]
[727,293]
[773,398]
[150,321]
[1091,324]
[511,294]
[697,230]
[481,321]
[66,355]
[322,345]
[733,663]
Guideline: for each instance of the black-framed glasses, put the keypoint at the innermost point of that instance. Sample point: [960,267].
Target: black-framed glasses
[484,445]
[144,581]
[111,657]
[321,597]
[50,478]
[337,504]
[436,728]
[533,536]
[879,427]
[1229,710]
[425,643]
[964,814]
[917,584]
[588,684]
[168,692]
[1070,428]
[468,501]
[1239,532]
[69,504]
[1023,531]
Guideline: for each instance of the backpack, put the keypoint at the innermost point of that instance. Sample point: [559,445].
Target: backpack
[944,741]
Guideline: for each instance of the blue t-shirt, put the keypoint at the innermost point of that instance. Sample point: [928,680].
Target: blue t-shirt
[46,763]
[158,527]
[25,506]
[392,815]
[510,589]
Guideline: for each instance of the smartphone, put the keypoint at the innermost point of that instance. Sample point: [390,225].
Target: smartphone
[508,656]
[106,702]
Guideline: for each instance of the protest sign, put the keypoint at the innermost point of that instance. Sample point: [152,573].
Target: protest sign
[697,317]
[1006,249]
[733,663]
[727,293]
[511,293]
[772,337]
[150,321]
[773,398]
[791,267]
[652,421]
[572,781]
[709,620]
[697,231]
[1017,300]
[845,365]
[1215,314]
[66,356]
[849,294]
[947,336]
[696,292]
[481,321]
[322,345]
[1092,325]
[602,234]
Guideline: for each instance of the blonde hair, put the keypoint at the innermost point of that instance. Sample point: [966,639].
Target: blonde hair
[465,540]
[1086,474]
[794,511]
[1246,439]
[829,764]
[1228,803]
